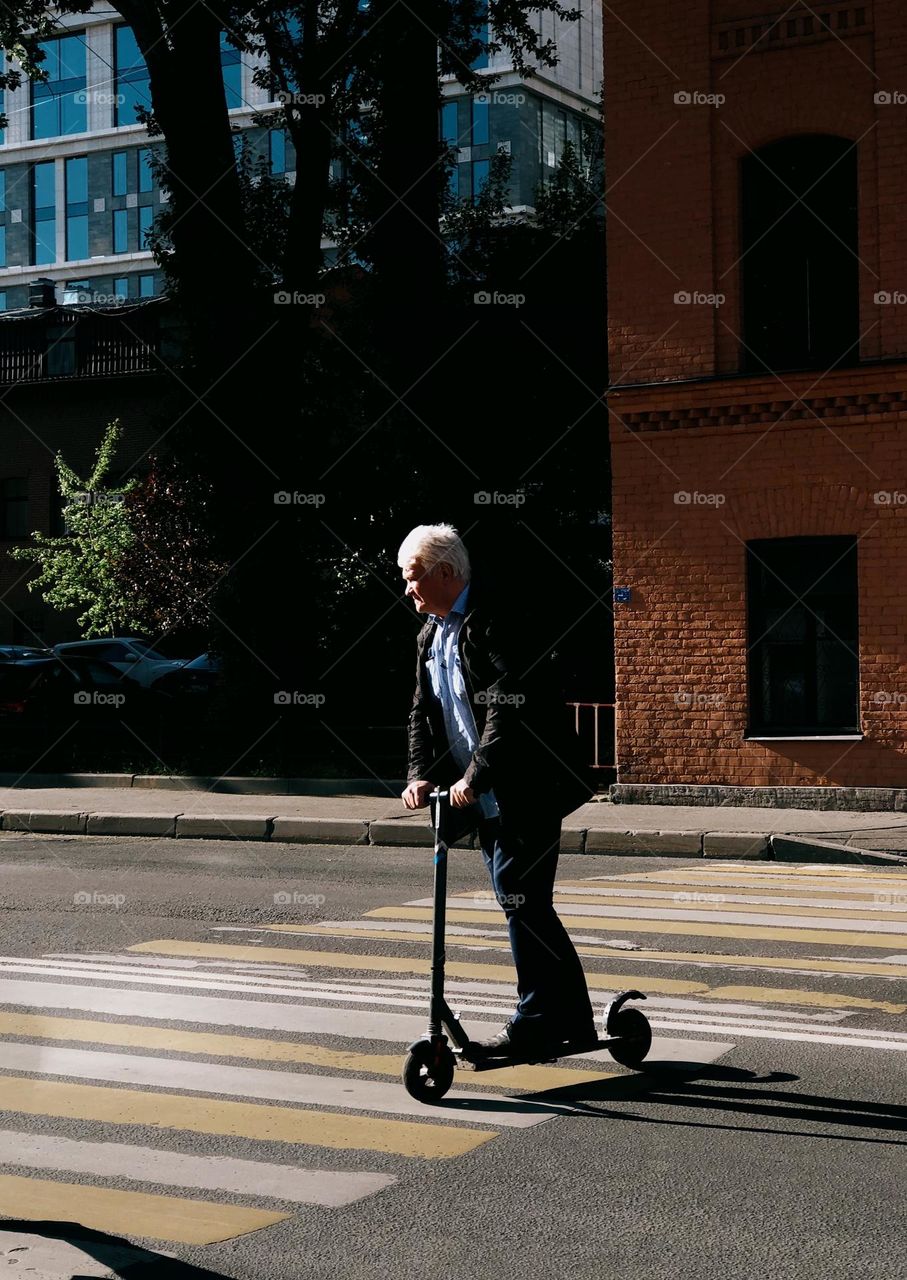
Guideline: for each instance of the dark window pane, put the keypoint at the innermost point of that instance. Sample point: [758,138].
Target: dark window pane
[803,635]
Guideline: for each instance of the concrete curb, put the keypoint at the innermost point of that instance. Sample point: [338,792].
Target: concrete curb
[413,833]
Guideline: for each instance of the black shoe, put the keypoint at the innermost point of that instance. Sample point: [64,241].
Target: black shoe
[581,1039]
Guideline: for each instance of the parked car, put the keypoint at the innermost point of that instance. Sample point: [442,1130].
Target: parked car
[45,698]
[192,679]
[22,652]
[129,654]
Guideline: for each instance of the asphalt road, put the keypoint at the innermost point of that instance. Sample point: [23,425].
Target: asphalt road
[169,1006]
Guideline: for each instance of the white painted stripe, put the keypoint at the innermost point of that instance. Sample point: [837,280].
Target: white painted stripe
[860,924]
[810,1037]
[708,893]
[213,982]
[254,1083]
[731,1023]
[404,992]
[116,1160]
[698,878]
[356,1024]
[390,1028]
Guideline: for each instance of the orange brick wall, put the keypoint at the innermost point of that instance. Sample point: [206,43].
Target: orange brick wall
[785,455]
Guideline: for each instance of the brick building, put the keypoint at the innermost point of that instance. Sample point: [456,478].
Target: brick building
[758,395]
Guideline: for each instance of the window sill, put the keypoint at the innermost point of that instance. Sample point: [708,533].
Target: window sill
[804,737]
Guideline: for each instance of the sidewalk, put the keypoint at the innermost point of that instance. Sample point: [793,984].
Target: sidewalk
[184,808]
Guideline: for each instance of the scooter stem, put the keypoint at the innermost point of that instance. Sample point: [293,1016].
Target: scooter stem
[437,1006]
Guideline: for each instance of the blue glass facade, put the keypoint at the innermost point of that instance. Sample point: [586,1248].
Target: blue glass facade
[131,76]
[59,104]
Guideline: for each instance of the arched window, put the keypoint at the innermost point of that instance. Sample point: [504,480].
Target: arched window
[799,254]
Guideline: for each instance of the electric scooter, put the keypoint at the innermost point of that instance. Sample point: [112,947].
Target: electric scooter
[428,1070]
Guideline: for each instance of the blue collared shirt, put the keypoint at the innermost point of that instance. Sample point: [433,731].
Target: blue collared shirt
[449,687]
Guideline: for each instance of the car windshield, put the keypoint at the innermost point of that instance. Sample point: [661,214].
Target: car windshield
[146,651]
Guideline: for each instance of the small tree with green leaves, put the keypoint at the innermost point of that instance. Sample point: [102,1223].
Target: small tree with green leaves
[78,569]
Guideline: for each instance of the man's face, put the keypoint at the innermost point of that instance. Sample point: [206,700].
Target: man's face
[429,589]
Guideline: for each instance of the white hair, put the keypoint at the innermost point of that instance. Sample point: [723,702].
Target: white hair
[434,544]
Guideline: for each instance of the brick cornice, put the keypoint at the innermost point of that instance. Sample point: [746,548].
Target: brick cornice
[798,25]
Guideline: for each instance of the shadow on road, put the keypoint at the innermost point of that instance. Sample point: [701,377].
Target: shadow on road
[119,1256]
[718,1089]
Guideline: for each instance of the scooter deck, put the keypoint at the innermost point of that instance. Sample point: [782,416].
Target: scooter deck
[492,1062]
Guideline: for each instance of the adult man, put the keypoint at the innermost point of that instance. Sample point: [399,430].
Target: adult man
[487,723]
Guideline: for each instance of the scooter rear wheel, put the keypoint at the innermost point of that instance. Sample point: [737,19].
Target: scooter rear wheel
[634,1025]
[428,1073]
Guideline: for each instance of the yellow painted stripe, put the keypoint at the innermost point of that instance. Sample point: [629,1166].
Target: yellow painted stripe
[822,999]
[241,1119]
[695,928]
[129,1213]
[489,972]
[762,887]
[135,1035]
[602,951]
[669,900]
[393,964]
[823,872]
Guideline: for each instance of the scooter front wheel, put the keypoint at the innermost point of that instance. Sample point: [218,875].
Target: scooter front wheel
[428,1072]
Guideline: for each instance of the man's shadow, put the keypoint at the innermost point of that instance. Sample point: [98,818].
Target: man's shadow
[120,1256]
[719,1089]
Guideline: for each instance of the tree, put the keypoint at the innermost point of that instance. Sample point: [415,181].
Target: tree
[168,565]
[78,569]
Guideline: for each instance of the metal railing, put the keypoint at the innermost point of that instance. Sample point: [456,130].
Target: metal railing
[591,725]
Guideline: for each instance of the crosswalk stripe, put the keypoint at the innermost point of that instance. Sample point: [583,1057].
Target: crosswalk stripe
[718,895]
[610,983]
[702,911]
[263,1085]
[474,939]
[112,1160]
[820,870]
[227,1117]
[132,1213]
[251,1048]
[799,890]
[387,964]
[716,929]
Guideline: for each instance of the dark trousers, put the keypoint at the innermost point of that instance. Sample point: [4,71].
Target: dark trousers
[521,861]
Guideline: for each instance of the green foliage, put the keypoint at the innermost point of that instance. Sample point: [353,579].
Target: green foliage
[78,570]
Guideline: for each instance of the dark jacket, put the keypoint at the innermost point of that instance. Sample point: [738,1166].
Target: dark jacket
[528,753]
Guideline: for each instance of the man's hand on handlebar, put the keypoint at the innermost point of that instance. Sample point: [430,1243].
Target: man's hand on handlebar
[461,794]
[416,794]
